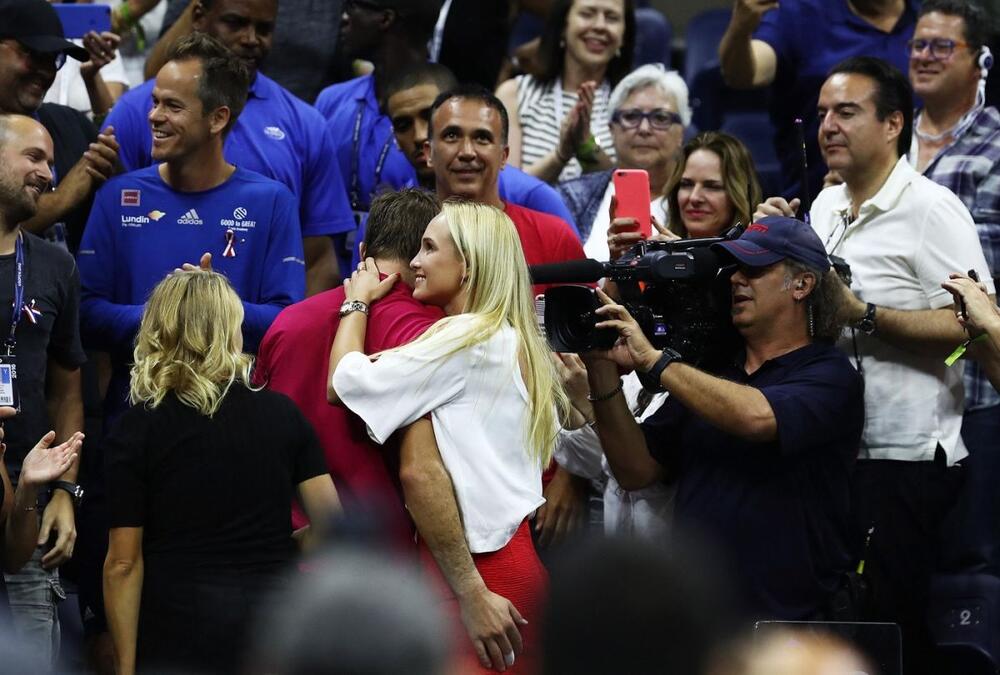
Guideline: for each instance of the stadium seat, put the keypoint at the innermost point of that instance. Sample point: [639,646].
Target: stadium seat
[756,132]
[964,618]
[654,35]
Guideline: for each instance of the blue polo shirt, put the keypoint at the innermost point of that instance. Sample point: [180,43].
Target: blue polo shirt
[809,38]
[276,135]
[363,137]
[777,512]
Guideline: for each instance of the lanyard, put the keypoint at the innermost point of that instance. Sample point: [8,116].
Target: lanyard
[18,287]
[355,156]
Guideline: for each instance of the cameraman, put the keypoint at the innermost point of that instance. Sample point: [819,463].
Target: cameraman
[762,446]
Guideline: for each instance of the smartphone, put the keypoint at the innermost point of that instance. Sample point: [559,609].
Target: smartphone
[632,194]
[78,20]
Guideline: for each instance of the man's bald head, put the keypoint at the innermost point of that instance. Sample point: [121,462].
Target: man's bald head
[26,155]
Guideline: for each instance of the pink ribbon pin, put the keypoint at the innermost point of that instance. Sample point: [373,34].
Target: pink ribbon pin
[230,250]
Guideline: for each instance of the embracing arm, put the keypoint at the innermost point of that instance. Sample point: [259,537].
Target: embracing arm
[490,619]
[364,286]
[123,572]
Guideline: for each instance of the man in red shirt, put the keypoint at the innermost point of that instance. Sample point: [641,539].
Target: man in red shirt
[468,148]
[294,353]
[293,360]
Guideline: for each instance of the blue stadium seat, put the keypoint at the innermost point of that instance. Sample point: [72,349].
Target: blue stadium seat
[702,37]
[756,132]
[964,618]
[654,35]
[711,100]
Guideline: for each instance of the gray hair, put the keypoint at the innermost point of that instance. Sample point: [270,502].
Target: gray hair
[654,75]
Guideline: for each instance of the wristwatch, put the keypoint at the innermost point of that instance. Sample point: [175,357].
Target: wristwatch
[353,306]
[867,323]
[74,490]
[650,380]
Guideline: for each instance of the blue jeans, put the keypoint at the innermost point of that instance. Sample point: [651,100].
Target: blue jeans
[34,593]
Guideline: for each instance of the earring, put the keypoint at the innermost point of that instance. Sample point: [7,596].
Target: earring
[812,320]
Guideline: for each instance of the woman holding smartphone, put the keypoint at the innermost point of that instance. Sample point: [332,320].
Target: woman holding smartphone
[485,377]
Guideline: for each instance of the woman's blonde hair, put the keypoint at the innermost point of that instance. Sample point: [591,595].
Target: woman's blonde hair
[499,295]
[189,343]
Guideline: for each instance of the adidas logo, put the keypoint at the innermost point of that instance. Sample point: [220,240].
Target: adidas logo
[190,218]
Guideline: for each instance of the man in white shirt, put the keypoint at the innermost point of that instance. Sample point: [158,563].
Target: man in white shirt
[901,234]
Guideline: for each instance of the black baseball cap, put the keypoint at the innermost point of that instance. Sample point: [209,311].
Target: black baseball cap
[35,24]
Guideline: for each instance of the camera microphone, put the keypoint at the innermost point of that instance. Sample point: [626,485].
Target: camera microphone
[586,270]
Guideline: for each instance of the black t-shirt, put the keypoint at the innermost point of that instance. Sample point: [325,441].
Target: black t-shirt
[51,286]
[778,511]
[212,493]
[72,133]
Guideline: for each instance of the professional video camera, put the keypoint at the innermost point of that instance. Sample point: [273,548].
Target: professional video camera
[678,291]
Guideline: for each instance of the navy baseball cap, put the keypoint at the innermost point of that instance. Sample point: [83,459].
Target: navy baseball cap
[35,24]
[775,238]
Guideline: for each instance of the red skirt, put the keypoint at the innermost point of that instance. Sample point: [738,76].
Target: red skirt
[516,573]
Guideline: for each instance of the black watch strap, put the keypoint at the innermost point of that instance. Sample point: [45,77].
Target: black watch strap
[650,380]
[867,323]
[74,490]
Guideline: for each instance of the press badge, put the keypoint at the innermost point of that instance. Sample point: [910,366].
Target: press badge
[8,382]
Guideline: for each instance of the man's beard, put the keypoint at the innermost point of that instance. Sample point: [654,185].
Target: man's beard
[16,203]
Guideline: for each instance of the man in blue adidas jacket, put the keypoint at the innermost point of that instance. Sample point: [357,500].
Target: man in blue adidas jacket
[148,222]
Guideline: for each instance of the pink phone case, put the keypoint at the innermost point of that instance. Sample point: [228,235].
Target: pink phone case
[632,194]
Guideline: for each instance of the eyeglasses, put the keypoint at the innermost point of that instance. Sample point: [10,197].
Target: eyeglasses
[55,58]
[659,119]
[350,5]
[941,48]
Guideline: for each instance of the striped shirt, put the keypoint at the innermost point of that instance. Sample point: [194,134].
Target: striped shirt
[970,167]
[541,122]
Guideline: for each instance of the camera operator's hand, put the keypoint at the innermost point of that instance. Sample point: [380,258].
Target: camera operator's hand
[633,350]
[777,206]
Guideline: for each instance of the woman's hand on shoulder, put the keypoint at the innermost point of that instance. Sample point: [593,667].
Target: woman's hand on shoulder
[365,284]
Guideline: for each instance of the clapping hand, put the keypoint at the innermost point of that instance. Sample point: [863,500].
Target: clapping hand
[101,47]
[45,464]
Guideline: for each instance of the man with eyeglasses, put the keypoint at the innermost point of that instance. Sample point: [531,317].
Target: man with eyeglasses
[650,112]
[956,142]
[792,47]
[32,49]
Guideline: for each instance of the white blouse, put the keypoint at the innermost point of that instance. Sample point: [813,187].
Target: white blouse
[479,409]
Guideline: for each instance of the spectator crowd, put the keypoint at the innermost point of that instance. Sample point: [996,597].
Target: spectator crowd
[306,368]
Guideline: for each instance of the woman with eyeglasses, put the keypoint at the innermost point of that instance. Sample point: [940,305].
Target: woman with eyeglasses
[559,118]
[650,113]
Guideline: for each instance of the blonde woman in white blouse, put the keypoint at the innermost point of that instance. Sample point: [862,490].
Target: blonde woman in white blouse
[486,378]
